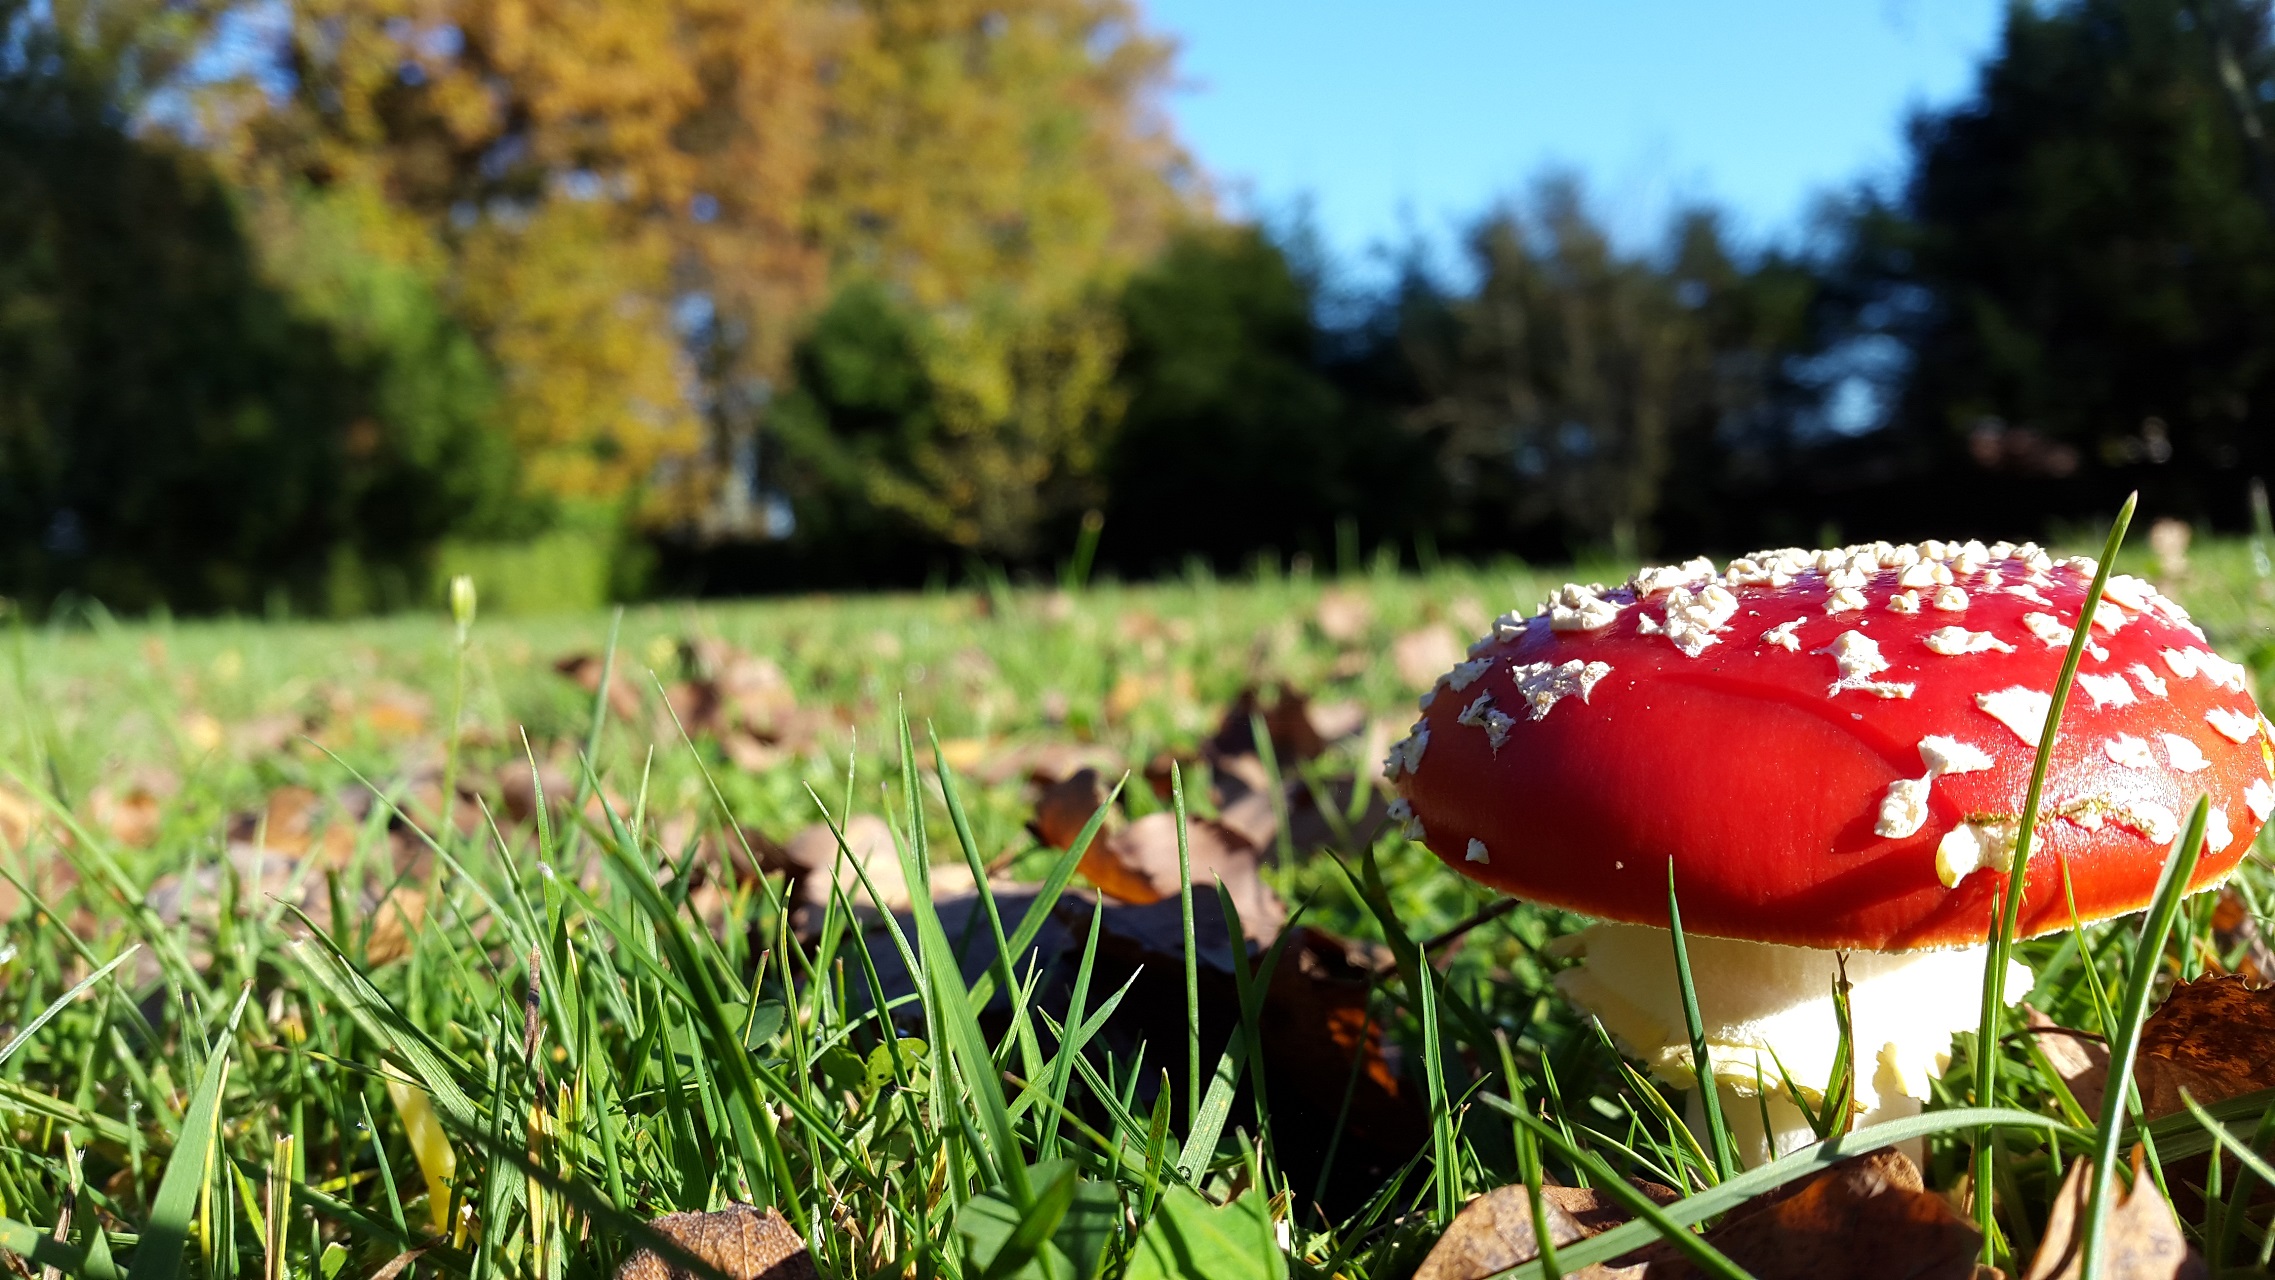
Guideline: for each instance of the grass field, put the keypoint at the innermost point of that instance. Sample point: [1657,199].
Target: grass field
[327,954]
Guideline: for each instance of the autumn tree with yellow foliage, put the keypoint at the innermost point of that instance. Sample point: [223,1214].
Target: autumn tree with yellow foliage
[639,205]
[1000,170]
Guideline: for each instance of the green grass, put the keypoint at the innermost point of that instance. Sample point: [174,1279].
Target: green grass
[571,1043]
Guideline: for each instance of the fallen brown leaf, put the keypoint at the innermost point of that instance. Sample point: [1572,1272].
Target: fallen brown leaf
[394,713]
[1138,865]
[20,816]
[813,853]
[1867,1218]
[2081,1060]
[738,1241]
[263,735]
[2141,1240]
[1289,721]
[1495,1232]
[297,823]
[1066,806]
[751,687]
[393,924]
[1343,616]
[1421,656]
[2214,1037]
[2234,927]
[585,669]
[130,809]
[1041,763]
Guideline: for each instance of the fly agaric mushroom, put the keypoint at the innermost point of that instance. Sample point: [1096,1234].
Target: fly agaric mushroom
[1831,749]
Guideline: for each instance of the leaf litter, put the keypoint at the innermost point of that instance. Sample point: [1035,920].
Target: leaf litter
[1334,1061]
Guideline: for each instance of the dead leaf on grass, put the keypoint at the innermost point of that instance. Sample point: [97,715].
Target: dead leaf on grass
[1040,763]
[2081,1060]
[129,814]
[1298,730]
[393,924]
[1343,616]
[2233,926]
[585,669]
[740,1242]
[1316,1019]
[20,816]
[2214,1037]
[1065,807]
[264,735]
[1866,1218]
[1494,1232]
[812,855]
[2141,1239]
[1420,657]
[295,822]
[1138,865]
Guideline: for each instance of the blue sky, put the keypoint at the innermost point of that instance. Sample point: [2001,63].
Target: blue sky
[1393,118]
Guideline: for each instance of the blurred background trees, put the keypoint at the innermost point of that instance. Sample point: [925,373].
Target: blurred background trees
[302,300]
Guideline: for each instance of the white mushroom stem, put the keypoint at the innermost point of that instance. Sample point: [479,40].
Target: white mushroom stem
[1772,1005]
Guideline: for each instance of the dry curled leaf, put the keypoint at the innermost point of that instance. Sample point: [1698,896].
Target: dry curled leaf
[1138,865]
[1298,730]
[1421,656]
[2079,1058]
[739,1242]
[585,669]
[2141,1239]
[1065,807]
[1495,1231]
[812,855]
[2214,1037]
[2233,927]
[1343,616]
[1866,1218]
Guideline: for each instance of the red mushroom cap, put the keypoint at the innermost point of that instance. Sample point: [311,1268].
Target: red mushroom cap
[1802,733]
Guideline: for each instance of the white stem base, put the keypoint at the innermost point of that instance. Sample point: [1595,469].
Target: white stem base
[1789,1129]
[1769,1015]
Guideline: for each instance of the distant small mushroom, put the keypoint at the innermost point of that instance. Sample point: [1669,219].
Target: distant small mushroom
[1836,776]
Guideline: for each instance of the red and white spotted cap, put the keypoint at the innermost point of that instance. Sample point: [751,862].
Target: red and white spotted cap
[1832,746]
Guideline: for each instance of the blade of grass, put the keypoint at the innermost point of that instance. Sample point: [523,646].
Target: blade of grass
[9,1050]
[1192,955]
[2148,957]
[1445,1150]
[158,1255]
[1719,1148]
[26,1241]
[967,1045]
[1987,1054]
[1528,1166]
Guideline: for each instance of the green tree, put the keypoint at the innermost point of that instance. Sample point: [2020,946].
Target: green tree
[2083,266]
[176,423]
[1240,432]
[860,409]
[1554,392]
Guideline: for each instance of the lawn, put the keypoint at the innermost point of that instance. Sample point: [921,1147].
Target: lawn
[388,947]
